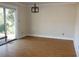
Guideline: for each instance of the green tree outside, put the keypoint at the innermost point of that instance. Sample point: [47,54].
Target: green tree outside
[9,21]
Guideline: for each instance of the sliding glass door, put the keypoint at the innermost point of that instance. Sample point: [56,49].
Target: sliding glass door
[2,26]
[7,24]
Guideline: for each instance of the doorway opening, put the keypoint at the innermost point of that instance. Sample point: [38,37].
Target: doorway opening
[7,24]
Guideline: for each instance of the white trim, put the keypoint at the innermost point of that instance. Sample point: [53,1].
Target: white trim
[12,4]
[8,5]
[76,45]
[76,48]
[57,3]
[63,38]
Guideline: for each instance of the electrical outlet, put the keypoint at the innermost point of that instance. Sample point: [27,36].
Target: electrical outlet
[78,46]
[22,33]
[63,34]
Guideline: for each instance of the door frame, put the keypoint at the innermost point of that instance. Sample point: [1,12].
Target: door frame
[15,22]
[5,30]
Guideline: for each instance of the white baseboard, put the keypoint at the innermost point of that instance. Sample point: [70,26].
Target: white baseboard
[63,38]
[21,36]
[76,48]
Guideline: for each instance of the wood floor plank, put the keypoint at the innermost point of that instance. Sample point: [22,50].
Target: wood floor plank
[38,47]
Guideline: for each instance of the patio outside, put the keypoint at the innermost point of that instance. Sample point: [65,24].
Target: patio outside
[10,29]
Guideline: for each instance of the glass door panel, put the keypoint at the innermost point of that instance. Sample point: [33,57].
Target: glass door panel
[10,23]
[2,26]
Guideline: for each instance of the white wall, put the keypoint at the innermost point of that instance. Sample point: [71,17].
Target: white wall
[53,20]
[23,21]
[76,41]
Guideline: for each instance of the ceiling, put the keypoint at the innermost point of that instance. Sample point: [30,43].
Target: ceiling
[31,3]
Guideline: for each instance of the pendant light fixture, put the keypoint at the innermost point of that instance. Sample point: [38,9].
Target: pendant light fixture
[35,8]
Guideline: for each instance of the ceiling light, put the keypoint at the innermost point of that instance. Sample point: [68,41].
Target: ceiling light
[35,8]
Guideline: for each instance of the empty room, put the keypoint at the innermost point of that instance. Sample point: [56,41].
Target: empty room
[39,29]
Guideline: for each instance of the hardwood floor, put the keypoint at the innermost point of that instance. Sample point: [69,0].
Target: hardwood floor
[36,47]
